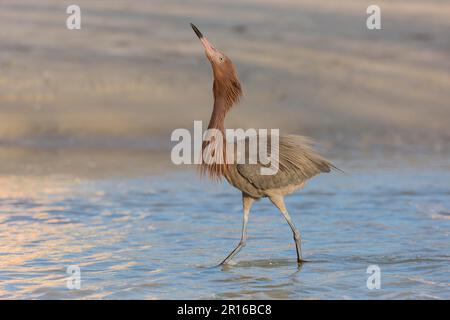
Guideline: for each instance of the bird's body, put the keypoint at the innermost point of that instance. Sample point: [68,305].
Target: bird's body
[298,162]
[296,159]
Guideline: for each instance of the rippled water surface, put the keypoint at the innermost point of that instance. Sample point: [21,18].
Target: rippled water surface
[161,236]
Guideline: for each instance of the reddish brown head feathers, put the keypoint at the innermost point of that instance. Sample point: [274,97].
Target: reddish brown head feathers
[227,92]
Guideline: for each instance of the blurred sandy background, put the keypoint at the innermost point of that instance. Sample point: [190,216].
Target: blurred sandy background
[109,95]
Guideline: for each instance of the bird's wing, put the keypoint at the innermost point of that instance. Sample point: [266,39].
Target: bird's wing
[298,161]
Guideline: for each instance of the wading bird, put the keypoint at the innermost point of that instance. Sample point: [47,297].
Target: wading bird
[298,161]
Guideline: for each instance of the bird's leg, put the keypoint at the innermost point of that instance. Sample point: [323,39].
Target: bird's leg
[278,201]
[246,203]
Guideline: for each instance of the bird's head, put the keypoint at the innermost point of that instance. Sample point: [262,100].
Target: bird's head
[226,82]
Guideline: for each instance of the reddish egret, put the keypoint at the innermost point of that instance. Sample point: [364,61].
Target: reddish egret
[298,161]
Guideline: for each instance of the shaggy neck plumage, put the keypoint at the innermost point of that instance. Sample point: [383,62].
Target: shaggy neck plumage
[225,95]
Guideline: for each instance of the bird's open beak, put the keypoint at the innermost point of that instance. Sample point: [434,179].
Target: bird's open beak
[209,48]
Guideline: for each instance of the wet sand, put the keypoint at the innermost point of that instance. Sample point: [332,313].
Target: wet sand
[136,70]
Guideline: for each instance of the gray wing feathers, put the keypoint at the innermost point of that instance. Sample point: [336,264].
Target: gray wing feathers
[298,161]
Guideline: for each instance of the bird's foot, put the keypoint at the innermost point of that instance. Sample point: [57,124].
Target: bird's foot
[222,264]
[226,263]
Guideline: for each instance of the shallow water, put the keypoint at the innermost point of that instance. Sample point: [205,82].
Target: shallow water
[160,237]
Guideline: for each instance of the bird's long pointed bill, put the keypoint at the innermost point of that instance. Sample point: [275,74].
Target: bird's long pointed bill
[209,48]
[197,32]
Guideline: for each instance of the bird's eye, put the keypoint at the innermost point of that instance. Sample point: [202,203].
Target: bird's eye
[221,58]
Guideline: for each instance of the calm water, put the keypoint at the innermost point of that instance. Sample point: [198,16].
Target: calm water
[161,236]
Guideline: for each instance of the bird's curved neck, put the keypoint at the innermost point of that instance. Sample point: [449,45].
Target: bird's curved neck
[217,120]
[217,170]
